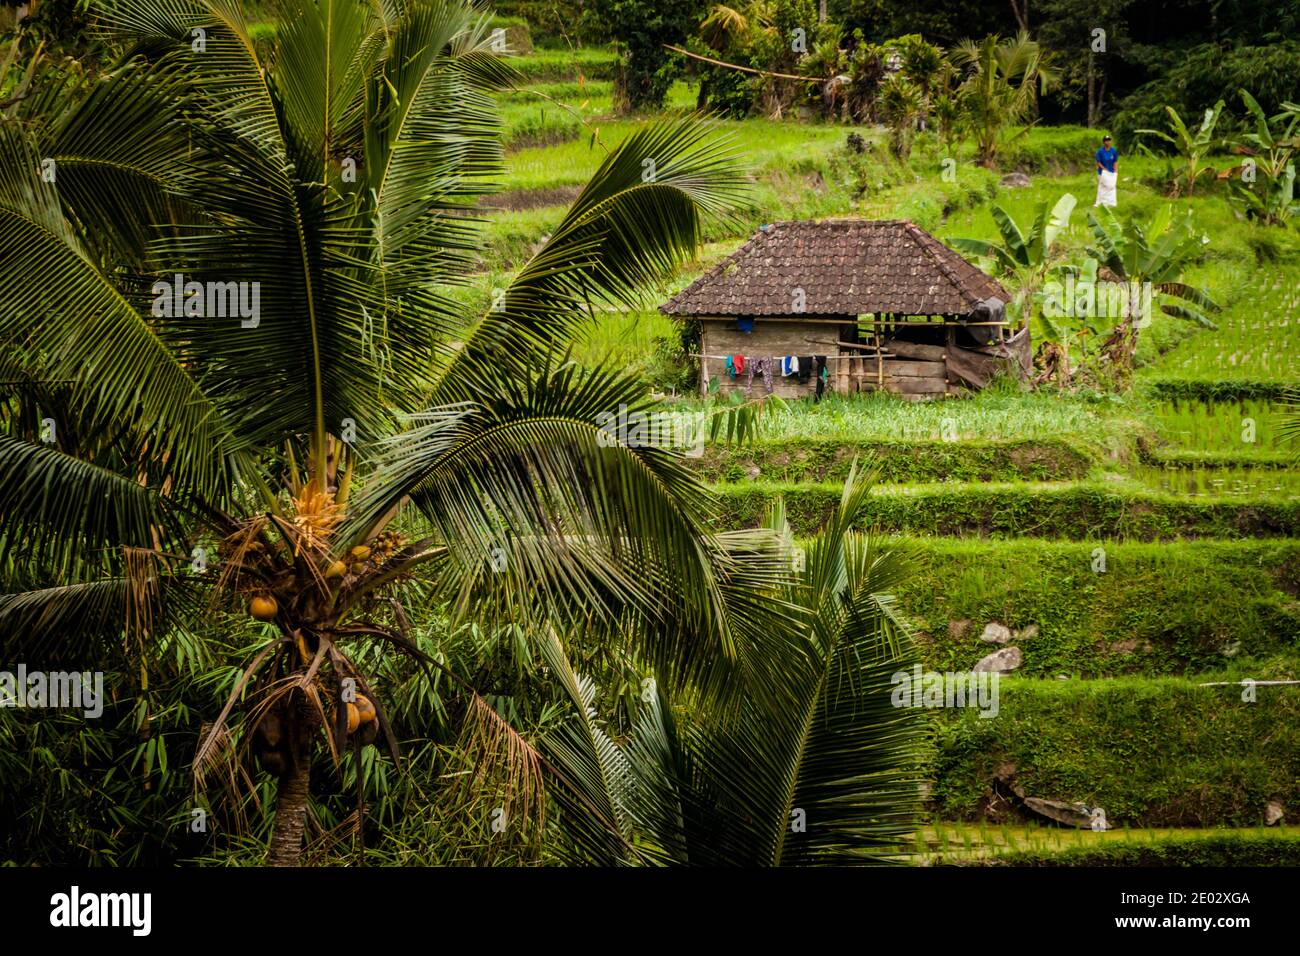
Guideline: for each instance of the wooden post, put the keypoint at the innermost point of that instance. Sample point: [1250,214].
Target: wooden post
[842,366]
[952,343]
[880,359]
[704,362]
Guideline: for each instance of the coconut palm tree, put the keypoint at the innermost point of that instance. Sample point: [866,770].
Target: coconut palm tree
[238,374]
[1004,77]
[828,772]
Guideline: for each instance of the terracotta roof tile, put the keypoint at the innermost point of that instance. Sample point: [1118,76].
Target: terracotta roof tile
[844,267]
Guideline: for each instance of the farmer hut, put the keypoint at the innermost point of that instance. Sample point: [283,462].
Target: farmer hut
[877,304]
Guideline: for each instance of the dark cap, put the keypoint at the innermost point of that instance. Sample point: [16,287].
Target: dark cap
[1105,139]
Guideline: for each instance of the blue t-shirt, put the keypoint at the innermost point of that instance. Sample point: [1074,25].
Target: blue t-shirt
[1107,156]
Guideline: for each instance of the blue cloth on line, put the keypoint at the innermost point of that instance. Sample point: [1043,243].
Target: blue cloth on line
[745,325]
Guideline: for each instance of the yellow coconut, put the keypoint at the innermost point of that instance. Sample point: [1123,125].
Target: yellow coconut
[336,569]
[360,552]
[354,717]
[366,709]
[263,607]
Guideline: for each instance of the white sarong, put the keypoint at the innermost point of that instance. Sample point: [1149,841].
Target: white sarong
[1106,188]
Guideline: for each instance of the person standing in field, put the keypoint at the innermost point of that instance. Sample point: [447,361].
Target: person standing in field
[1107,161]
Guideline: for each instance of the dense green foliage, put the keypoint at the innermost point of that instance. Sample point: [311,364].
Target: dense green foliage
[1191,81]
[1083,511]
[1156,752]
[1154,609]
[642,27]
[1007,495]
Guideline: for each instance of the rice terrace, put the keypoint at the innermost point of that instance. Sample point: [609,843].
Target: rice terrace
[575,433]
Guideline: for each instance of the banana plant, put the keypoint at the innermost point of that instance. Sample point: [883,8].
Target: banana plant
[1058,323]
[1191,147]
[1024,256]
[1150,259]
[1276,204]
[1265,189]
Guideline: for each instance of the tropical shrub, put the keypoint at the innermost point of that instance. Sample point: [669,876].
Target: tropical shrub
[1266,188]
[1191,148]
[641,28]
[1148,257]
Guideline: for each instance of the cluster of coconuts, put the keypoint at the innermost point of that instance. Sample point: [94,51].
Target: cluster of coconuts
[376,553]
[264,607]
[275,744]
[362,716]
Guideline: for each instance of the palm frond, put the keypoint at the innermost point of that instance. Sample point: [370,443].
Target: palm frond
[593,777]
[89,336]
[545,507]
[639,217]
[55,507]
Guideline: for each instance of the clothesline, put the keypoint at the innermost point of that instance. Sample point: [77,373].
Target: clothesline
[755,358]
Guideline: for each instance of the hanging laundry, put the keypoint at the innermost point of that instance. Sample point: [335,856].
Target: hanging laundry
[789,365]
[820,361]
[745,325]
[739,362]
[764,368]
[731,367]
[805,368]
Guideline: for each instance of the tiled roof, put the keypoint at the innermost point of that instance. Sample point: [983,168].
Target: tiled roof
[844,267]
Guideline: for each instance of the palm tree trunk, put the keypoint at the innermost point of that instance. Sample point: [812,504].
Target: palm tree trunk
[290,816]
[1021,11]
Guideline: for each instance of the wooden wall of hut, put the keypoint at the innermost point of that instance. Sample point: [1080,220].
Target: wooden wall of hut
[770,338]
[917,371]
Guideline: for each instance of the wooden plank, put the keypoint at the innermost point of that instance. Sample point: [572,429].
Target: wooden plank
[912,350]
[937,370]
[916,386]
[759,320]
